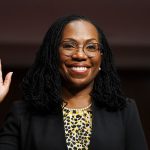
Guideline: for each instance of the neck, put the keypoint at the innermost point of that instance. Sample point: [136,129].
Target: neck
[77,98]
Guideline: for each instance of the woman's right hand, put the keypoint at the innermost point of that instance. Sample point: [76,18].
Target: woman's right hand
[4,85]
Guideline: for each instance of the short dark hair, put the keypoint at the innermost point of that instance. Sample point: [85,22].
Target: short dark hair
[42,83]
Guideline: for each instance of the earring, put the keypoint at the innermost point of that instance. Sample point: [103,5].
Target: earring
[99,68]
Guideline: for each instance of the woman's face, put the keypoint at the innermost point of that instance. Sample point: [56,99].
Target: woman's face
[78,69]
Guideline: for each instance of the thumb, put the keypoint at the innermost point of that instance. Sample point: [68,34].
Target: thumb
[7,80]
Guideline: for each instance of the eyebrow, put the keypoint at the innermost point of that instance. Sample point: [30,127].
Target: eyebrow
[71,39]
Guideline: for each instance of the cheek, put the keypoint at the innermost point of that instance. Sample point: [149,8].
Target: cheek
[96,66]
[62,68]
[60,64]
[97,62]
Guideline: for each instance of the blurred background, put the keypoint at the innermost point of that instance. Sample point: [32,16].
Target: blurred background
[126,24]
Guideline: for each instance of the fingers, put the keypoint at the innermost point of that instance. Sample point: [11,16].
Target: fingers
[1,78]
[7,80]
[8,77]
[4,85]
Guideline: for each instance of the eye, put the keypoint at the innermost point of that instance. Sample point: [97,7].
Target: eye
[92,47]
[66,45]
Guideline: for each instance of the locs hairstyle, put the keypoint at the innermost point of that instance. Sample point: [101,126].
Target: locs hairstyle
[42,83]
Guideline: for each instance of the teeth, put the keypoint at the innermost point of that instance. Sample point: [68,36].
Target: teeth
[79,68]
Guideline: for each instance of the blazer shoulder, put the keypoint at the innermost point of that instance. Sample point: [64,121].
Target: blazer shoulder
[131,106]
[131,113]
[19,107]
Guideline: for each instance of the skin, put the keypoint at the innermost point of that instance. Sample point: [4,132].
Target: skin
[4,84]
[77,85]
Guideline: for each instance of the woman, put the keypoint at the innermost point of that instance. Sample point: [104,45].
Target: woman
[72,96]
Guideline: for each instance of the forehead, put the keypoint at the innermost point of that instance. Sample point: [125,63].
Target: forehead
[80,30]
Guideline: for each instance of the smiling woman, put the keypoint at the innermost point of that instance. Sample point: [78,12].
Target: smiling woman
[80,56]
[72,96]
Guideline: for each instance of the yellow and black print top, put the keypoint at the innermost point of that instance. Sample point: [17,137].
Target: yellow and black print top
[78,127]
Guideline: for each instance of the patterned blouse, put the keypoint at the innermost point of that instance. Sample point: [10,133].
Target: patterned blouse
[78,127]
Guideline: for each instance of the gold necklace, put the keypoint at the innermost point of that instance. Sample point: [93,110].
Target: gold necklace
[77,109]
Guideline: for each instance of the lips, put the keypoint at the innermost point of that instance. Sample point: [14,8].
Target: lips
[78,69]
[78,65]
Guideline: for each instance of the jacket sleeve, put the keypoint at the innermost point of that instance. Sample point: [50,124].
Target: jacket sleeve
[9,133]
[135,139]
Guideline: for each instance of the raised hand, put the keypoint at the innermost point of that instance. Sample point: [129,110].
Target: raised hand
[4,84]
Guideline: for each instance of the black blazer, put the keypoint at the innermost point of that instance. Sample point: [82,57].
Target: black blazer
[120,130]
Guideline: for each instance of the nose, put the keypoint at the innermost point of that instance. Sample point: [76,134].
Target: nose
[79,54]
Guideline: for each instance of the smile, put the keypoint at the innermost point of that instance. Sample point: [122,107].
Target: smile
[79,68]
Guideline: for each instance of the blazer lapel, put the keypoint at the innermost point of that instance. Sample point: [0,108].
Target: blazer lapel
[59,139]
[51,131]
[93,142]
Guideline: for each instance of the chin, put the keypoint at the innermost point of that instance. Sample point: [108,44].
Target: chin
[80,83]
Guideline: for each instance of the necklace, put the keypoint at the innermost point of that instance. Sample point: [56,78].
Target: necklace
[77,109]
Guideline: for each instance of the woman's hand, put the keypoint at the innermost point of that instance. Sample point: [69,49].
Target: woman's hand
[4,85]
